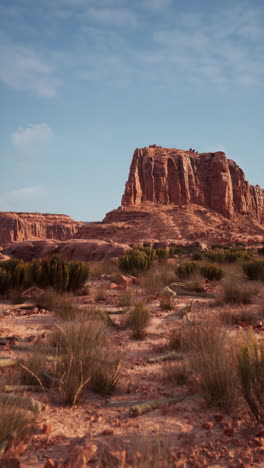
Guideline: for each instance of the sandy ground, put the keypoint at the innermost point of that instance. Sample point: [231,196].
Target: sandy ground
[199,434]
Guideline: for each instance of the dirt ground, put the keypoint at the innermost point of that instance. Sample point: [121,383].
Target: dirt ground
[198,434]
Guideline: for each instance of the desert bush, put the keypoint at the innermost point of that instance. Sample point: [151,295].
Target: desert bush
[176,251]
[76,347]
[62,304]
[177,338]
[223,255]
[16,422]
[195,283]
[162,254]
[254,270]
[261,251]
[233,291]
[125,299]
[211,272]
[176,373]
[106,371]
[234,317]
[166,300]
[33,366]
[185,270]
[57,273]
[138,320]
[5,280]
[137,260]
[251,371]
[212,362]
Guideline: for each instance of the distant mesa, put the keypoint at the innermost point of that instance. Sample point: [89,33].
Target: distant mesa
[171,176]
[172,196]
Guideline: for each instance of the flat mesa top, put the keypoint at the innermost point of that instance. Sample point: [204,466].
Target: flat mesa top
[161,151]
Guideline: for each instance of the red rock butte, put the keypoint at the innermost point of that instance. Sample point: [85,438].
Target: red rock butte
[171,197]
[172,176]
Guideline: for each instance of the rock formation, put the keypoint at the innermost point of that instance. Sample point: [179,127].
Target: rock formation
[74,249]
[171,176]
[29,226]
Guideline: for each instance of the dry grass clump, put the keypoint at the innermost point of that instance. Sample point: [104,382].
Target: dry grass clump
[16,422]
[236,316]
[213,363]
[176,373]
[251,372]
[106,371]
[62,304]
[76,346]
[125,299]
[157,277]
[34,366]
[177,338]
[234,291]
[195,283]
[138,320]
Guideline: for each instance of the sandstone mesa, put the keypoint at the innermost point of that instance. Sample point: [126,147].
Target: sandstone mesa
[171,196]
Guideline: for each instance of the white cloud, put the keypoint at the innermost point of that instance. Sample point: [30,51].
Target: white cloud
[24,69]
[32,136]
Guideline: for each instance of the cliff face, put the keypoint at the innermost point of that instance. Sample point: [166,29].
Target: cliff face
[29,226]
[171,176]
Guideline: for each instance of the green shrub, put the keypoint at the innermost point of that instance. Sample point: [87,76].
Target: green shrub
[137,260]
[254,270]
[162,253]
[221,255]
[185,270]
[251,370]
[176,251]
[57,273]
[261,251]
[138,320]
[211,272]
[5,280]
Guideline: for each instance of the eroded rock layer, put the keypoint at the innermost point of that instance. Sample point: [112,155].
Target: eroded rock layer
[171,176]
[28,226]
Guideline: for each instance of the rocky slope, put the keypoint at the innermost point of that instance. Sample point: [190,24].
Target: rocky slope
[29,226]
[171,176]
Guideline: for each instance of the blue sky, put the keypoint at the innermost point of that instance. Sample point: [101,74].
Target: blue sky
[85,82]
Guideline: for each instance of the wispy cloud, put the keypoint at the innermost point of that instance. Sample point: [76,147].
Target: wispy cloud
[33,136]
[22,199]
[24,69]
[120,42]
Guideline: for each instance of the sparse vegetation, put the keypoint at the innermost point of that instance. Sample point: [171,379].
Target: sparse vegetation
[254,270]
[16,423]
[213,363]
[138,320]
[220,255]
[233,291]
[251,371]
[125,299]
[76,345]
[51,272]
[185,270]
[137,260]
[211,272]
